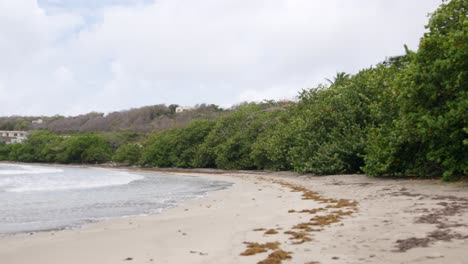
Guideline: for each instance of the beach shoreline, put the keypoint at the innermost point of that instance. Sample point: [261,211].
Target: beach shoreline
[385,221]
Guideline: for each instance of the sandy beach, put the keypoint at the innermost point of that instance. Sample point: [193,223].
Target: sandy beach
[274,217]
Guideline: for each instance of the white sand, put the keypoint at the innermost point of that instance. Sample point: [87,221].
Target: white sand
[212,229]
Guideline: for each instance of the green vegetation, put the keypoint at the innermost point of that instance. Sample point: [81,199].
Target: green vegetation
[404,116]
[229,144]
[428,133]
[43,146]
[129,154]
[144,119]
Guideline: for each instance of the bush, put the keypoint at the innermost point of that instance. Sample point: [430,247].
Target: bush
[129,154]
[428,136]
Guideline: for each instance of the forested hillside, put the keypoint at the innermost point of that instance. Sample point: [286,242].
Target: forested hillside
[405,116]
[144,119]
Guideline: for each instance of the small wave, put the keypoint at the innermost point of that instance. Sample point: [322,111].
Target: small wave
[26,169]
[54,180]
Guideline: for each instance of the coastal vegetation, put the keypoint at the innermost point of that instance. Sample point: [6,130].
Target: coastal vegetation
[404,116]
[144,119]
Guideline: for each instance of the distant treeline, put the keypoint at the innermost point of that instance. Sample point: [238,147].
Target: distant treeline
[405,116]
[144,119]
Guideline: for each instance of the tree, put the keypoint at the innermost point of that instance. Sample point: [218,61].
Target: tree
[229,144]
[90,148]
[129,154]
[339,79]
[429,135]
[4,151]
[176,147]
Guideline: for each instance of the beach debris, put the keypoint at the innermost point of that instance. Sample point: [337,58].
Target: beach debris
[325,218]
[304,226]
[308,211]
[255,248]
[300,237]
[199,253]
[449,206]
[271,232]
[128,259]
[343,203]
[276,257]
[404,245]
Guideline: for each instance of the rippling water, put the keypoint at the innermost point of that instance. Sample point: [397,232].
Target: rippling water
[34,198]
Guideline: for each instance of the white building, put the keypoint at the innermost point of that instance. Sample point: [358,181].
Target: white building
[13,136]
[181,109]
[38,121]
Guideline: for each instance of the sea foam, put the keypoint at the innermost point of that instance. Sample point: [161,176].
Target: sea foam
[10,169]
[26,178]
[35,198]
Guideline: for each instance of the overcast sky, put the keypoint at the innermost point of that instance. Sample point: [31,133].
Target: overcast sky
[77,56]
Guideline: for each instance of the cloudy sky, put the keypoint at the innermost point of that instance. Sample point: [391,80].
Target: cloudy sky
[76,56]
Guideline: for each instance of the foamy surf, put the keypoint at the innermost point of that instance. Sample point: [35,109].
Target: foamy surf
[14,169]
[35,198]
[26,178]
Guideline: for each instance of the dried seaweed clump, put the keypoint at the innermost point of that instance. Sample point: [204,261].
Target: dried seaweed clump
[271,232]
[324,220]
[255,248]
[343,213]
[276,257]
[343,203]
[307,211]
[299,237]
[306,227]
[303,235]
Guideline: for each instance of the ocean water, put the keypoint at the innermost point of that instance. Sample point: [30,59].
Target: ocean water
[38,198]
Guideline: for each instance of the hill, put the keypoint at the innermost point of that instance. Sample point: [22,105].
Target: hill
[143,119]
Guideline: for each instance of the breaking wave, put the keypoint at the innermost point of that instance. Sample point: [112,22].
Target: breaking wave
[27,178]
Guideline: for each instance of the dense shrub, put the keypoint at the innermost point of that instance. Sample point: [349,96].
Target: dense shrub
[176,147]
[43,146]
[129,154]
[428,137]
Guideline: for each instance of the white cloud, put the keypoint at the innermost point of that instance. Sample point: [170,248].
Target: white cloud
[136,52]
[63,75]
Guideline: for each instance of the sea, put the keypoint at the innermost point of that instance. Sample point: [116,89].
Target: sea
[42,198]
